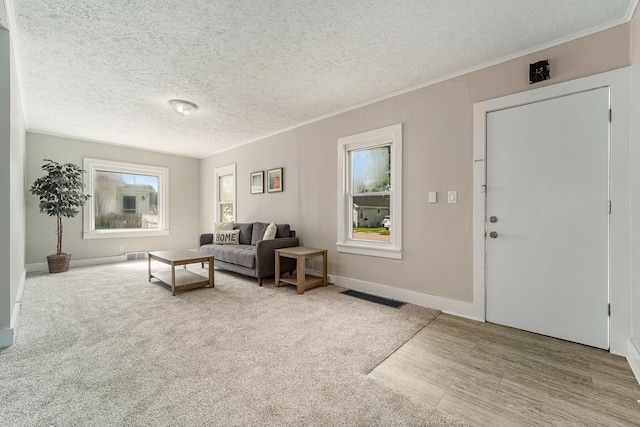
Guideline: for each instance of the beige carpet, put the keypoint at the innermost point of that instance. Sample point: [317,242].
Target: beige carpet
[101,346]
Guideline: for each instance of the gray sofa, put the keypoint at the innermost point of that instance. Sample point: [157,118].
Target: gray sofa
[254,256]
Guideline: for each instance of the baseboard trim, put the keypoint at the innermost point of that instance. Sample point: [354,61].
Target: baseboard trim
[633,357]
[43,266]
[18,305]
[6,337]
[446,305]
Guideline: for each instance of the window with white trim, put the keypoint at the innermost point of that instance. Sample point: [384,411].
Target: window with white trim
[127,200]
[225,178]
[370,193]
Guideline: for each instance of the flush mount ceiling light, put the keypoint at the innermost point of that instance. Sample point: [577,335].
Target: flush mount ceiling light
[183,107]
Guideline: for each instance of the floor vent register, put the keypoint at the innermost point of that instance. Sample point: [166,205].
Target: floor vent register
[373,298]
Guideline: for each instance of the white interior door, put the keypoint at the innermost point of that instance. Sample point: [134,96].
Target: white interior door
[547,270]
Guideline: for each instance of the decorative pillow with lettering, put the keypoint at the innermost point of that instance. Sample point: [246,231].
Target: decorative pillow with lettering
[226,237]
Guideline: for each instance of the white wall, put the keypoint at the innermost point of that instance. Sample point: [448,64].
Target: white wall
[12,161]
[184,201]
[6,335]
[17,179]
[436,268]
[633,353]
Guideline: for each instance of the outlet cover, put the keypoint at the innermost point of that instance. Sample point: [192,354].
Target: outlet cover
[453,197]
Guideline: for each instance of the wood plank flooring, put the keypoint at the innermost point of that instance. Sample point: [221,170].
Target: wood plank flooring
[492,375]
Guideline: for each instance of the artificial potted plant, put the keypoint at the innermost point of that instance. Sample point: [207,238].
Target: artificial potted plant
[61,194]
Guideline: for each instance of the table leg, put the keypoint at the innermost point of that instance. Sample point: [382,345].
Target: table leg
[300,265]
[324,268]
[149,257]
[277,269]
[212,283]
[173,280]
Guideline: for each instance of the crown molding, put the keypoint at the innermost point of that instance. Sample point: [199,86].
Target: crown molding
[627,18]
[633,6]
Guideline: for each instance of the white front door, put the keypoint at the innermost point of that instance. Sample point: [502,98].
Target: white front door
[547,268]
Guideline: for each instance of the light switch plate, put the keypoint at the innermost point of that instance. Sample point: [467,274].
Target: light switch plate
[433,198]
[453,197]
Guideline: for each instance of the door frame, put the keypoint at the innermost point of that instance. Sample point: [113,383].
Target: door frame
[620,229]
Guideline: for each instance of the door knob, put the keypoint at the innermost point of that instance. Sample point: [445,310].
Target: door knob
[493,234]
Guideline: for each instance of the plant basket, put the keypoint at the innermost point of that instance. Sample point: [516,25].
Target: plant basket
[58,263]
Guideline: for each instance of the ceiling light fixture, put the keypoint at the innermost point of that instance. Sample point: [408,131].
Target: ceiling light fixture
[183,107]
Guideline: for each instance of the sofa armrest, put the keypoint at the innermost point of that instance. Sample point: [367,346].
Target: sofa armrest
[266,257]
[206,239]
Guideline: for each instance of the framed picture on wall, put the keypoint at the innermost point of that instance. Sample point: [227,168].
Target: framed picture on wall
[257,182]
[274,180]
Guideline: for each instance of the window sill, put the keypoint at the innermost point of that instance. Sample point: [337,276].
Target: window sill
[114,234]
[369,250]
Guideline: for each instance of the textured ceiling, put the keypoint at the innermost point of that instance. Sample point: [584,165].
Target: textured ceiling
[104,70]
[3,15]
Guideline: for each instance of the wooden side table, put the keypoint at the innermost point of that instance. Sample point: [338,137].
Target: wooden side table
[301,280]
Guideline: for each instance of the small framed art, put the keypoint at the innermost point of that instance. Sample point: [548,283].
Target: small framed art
[274,180]
[257,182]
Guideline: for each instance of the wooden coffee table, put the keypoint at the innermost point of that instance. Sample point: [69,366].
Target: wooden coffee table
[181,280]
[301,280]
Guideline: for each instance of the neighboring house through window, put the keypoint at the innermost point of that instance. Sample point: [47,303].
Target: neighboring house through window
[129,204]
[127,200]
[225,178]
[370,193]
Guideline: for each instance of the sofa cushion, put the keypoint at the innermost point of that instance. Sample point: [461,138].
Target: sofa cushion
[245,232]
[259,229]
[244,255]
[284,230]
[226,237]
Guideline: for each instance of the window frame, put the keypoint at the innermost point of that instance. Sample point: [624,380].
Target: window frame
[390,135]
[91,166]
[217,173]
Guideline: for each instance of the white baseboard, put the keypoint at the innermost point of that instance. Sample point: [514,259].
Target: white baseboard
[43,266]
[446,305]
[633,357]
[6,337]
[18,304]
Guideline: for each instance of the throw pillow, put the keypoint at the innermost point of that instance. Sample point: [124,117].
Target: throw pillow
[245,232]
[284,230]
[220,226]
[226,237]
[270,233]
[259,228]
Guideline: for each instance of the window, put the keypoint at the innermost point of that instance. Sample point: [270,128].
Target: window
[370,193]
[127,200]
[225,193]
[129,204]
